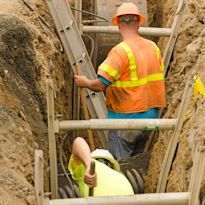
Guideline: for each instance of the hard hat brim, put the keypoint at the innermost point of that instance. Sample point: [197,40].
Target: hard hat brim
[105,154]
[115,20]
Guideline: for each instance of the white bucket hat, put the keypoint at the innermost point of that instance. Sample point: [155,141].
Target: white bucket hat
[105,154]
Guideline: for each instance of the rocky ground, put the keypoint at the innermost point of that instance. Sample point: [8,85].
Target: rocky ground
[31,52]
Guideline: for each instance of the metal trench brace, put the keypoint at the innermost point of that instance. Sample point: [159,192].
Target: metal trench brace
[180,198]
[56,126]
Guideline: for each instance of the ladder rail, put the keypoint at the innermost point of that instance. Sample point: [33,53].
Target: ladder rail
[77,52]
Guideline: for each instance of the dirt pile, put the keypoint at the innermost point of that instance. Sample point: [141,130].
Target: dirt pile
[30,52]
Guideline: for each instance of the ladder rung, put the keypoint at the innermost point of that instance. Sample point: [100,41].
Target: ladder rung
[151,31]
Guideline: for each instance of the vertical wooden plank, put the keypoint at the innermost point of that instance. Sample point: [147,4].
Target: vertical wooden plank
[172,145]
[39,177]
[76,106]
[197,175]
[47,201]
[78,14]
[52,140]
[174,34]
[76,98]
[85,112]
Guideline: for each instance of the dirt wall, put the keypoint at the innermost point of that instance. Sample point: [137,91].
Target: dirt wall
[188,56]
[30,53]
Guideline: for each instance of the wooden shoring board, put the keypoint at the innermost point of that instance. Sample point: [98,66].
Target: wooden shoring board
[39,177]
[168,53]
[172,145]
[78,14]
[197,175]
[76,90]
[174,34]
[52,140]
[77,53]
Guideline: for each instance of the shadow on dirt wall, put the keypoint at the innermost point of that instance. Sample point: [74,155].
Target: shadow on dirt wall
[20,71]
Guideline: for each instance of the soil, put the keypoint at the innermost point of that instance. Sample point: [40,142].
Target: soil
[31,52]
[188,56]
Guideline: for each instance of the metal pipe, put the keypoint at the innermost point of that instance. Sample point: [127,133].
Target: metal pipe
[181,198]
[117,124]
[150,31]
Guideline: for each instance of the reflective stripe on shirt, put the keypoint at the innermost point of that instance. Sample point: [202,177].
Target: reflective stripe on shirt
[140,82]
[111,71]
[132,63]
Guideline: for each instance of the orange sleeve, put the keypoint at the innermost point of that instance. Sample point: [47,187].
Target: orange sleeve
[111,67]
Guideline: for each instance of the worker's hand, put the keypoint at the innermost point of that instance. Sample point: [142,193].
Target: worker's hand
[81,81]
[90,180]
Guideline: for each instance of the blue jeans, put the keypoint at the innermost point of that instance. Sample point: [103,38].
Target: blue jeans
[121,144]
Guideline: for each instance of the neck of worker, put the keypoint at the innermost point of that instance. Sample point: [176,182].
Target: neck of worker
[128,31]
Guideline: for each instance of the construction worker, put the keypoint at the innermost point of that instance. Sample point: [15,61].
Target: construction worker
[132,75]
[107,180]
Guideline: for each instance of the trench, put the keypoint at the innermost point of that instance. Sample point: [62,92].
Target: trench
[31,52]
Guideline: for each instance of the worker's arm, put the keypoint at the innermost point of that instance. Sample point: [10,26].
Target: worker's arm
[94,85]
[81,153]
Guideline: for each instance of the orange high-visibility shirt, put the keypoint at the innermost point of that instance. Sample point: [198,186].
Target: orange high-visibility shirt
[136,71]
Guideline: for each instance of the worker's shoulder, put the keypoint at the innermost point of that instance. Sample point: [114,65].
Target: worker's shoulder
[139,40]
[117,51]
[117,48]
[148,42]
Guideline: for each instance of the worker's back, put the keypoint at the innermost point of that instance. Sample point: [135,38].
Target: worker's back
[137,68]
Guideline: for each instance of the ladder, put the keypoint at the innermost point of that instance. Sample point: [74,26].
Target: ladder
[77,53]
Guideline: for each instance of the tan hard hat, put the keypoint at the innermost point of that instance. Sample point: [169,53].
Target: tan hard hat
[105,154]
[126,9]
